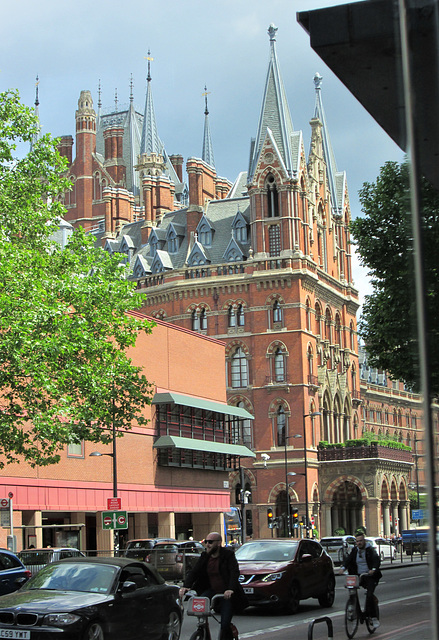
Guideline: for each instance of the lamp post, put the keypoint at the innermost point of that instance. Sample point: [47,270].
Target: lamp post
[307,415]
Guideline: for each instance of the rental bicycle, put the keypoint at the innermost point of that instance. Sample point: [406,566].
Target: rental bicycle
[203,608]
[354,614]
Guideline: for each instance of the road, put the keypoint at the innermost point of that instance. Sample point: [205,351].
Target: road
[403,595]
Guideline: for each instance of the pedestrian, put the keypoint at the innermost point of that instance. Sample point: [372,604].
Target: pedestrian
[217,571]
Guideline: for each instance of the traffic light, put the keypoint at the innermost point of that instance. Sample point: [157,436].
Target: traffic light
[270,517]
[295,516]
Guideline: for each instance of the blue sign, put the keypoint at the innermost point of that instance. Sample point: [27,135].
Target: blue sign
[417,514]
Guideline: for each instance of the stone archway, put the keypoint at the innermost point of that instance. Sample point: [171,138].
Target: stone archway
[345,502]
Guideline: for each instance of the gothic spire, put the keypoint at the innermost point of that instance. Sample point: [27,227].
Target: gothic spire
[98,117]
[275,114]
[134,134]
[150,142]
[36,136]
[207,155]
[328,154]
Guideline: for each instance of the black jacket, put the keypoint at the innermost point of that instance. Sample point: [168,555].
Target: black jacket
[198,579]
[372,559]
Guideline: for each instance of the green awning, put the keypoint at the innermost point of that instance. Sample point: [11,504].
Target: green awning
[200,403]
[177,442]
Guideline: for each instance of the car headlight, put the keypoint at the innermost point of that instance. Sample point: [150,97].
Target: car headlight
[273,576]
[60,619]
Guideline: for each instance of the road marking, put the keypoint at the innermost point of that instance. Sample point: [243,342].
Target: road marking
[411,578]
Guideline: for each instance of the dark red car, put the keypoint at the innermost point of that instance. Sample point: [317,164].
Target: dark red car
[282,572]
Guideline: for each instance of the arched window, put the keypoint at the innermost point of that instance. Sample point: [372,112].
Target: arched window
[328,335]
[239,369]
[319,320]
[279,365]
[308,315]
[280,427]
[352,335]
[231,316]
[272,197]
[338,331]
[152,245]
[240,316]
[277,312]
[310,357]
[203,320]
[97,188]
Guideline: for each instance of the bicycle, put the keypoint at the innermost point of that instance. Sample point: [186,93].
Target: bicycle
[354,614]
[203,608]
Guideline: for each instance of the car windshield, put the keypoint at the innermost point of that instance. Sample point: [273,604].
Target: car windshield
[267,551]
[35,557]
[331,542]
[93,578]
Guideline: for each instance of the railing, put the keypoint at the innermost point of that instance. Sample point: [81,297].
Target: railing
[358,453]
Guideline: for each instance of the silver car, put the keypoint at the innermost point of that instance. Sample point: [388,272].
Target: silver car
[36,559]
[338,547]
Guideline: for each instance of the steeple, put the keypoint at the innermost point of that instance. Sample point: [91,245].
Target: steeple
[98,116]
[275,114]
[207,154]
[36,136]
[328,154]
[150,142]
[134,138]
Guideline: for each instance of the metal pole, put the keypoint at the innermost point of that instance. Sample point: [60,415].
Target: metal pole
[287,489]
[116,532]
[306,478]
[243,522]
[11,524]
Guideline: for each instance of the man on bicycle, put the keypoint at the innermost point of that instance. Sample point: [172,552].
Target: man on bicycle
[217,571]
[364,559]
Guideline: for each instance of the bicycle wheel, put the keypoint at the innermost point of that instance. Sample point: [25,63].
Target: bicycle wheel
[369,625]
[351,617]
[197,635]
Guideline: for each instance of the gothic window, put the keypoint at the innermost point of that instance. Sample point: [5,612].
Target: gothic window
[241,232]
[97,187]
[328,326]
[70,196]
[152,245]
[205,233]
[352,335]
[274,240]
[308,315]
[319,320]
[247,433]
[277,312]
[240,316]
[354,378]
[231,317]
[279,365]
[272,197]
[239,369]
[337,330]
[280,427]
[310,357]
[203,320]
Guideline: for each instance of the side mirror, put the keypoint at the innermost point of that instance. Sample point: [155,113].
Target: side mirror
[307,557]
[128,587]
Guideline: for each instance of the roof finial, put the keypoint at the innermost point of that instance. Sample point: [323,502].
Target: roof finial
[131,88]
[150,59]
[37,82]
[99,94]
[115,100]
[205,94]
[272,32]
[318,81]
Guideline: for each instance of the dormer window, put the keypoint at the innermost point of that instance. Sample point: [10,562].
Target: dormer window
[153,245]
[205,232]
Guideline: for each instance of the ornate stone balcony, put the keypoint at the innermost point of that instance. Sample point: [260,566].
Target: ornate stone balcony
[357,453]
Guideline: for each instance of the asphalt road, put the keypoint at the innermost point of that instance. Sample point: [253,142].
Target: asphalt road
[404,599]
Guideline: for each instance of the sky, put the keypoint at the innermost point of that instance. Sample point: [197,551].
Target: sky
[72,45]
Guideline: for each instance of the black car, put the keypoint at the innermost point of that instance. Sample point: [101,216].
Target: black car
[13,574]
[93,599]
[281,572]
[173,560]
[141,548]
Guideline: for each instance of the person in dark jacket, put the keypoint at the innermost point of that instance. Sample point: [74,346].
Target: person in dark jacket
[364,559]
[217,571]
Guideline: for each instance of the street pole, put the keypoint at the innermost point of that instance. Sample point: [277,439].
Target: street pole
[287,488]
[243,522]
[306,478]
[116,532]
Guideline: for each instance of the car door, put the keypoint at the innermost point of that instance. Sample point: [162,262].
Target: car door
[307,569]
[10,570]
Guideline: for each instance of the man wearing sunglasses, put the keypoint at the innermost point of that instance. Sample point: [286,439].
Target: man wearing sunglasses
[217,571]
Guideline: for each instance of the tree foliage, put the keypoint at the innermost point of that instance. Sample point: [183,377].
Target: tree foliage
[384,241]
[65,325]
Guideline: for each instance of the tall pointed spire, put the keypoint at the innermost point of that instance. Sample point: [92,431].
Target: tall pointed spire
[134,134]
[99,113]
[328,154]
[36,136]
[207,154]
[275,113]
[150,142]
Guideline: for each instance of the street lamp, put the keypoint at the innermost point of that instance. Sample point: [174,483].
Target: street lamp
[306,415]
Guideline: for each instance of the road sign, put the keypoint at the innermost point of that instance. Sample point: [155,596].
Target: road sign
[4,503]
[417,514]
[114,520]
[114,504]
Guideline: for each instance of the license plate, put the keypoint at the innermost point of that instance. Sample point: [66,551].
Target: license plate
[248,590]
[15,634]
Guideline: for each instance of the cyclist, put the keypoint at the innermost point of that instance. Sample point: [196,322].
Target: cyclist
[217,571]
[363,559]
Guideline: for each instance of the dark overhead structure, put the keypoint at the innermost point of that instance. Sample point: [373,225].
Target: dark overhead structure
[360,43]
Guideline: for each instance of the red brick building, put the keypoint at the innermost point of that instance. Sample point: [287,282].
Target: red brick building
[263,264]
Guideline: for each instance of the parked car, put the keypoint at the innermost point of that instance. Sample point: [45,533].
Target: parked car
[93,599]
[36,559]
[13,574]
[174,559]
[384,548]
[282,572]
[141,547]
[338,547]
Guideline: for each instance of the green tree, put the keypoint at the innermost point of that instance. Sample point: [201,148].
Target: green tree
[65,321]
[384,242]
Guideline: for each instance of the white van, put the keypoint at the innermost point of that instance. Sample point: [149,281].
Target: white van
[338,547]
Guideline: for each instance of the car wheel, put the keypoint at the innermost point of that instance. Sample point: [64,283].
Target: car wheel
[327,598]
[293,602]
[173,627]
[94,632]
